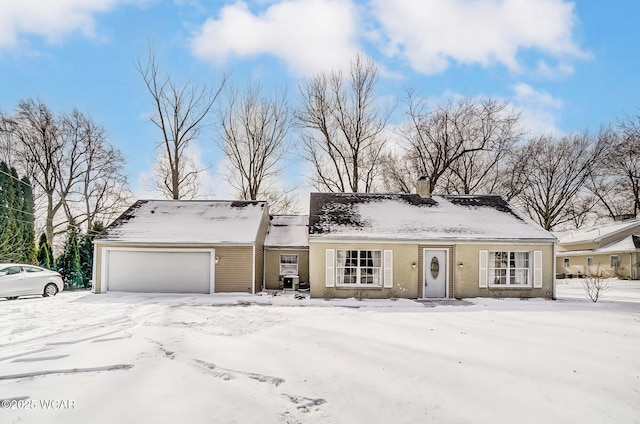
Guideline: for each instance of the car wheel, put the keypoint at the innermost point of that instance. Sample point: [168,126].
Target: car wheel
[50,290]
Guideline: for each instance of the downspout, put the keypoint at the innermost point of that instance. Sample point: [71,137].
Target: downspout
[553,276]
[253,274]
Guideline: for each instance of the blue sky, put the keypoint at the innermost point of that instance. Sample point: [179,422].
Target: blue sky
[567,66]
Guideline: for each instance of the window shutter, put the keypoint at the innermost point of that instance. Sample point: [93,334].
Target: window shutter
[388,269]
[483,268]
[537,269]
[330,274]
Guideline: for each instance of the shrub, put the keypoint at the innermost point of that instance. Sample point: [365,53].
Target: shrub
[329,293]
[594,285]
[360,294]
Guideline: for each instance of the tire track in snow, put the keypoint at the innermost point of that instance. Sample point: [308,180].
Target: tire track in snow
[65,371]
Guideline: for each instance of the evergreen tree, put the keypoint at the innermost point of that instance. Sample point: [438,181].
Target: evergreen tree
[86,252]
[9,230]
[45,255]
[27,233]
[17,237]
[68,264]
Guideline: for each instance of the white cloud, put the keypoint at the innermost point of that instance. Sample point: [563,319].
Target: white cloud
[540,110]
[309,35]
[430,35]
[52,20]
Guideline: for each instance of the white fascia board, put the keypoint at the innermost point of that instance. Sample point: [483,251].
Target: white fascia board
[326,240]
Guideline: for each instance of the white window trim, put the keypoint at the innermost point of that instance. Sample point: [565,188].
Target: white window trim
[611,261]
[511,286]
[289,264]
[358,275]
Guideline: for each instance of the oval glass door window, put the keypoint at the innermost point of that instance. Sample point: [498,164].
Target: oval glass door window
[435,267]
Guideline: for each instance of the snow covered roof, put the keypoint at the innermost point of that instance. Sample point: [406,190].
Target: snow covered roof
[409,216]
[188,221]
[288,231]
[627,244]
[596,233]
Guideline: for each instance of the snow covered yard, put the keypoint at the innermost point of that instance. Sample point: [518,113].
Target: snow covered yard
[260,359]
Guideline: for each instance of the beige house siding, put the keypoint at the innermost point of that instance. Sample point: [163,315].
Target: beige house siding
[463,281]
[233,272]
[601,264]
[467,276]
[405,276]
[272,265]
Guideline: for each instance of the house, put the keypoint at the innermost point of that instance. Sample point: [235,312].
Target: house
[382,245]
[286,252]
[183,246]
[611,249]
[422,246]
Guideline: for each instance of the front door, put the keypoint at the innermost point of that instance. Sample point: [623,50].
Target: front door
[435,273]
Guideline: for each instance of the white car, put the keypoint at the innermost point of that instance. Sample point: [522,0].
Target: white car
[25,280]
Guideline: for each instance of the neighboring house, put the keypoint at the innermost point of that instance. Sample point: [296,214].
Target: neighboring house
[176,246]
[286,252]
[611,250]
[421,246]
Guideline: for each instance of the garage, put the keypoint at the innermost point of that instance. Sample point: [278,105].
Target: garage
[159,271]
[183,246]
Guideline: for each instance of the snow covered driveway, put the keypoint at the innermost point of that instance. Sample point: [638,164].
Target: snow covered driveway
[84,358]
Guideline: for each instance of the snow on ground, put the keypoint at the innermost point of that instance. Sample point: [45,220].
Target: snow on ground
[263,359]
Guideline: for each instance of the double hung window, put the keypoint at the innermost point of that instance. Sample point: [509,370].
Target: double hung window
[509,269]
[359,267]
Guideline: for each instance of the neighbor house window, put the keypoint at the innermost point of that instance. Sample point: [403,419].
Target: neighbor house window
[566,263]
[509,269]
[288,264]
[589,261]
[359,267]
[614,261]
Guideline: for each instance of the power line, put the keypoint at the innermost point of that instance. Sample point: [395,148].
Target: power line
[17,179]
[17,210]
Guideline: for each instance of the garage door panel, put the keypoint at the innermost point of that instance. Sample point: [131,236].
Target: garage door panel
[151,271]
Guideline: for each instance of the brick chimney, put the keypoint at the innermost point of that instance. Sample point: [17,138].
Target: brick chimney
[422,187]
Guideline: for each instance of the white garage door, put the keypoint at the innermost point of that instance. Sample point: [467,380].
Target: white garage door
[159,271]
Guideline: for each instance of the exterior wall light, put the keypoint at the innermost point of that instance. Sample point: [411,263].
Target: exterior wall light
[413,265]
[217,259]
[460,264]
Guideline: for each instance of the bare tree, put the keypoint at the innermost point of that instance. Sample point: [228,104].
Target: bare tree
[101,190]
[253,138]
[398,173]
[179,114]
[462,142]
[557,172]
[344,136]
[35,129]
[77,176]
[616,183]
